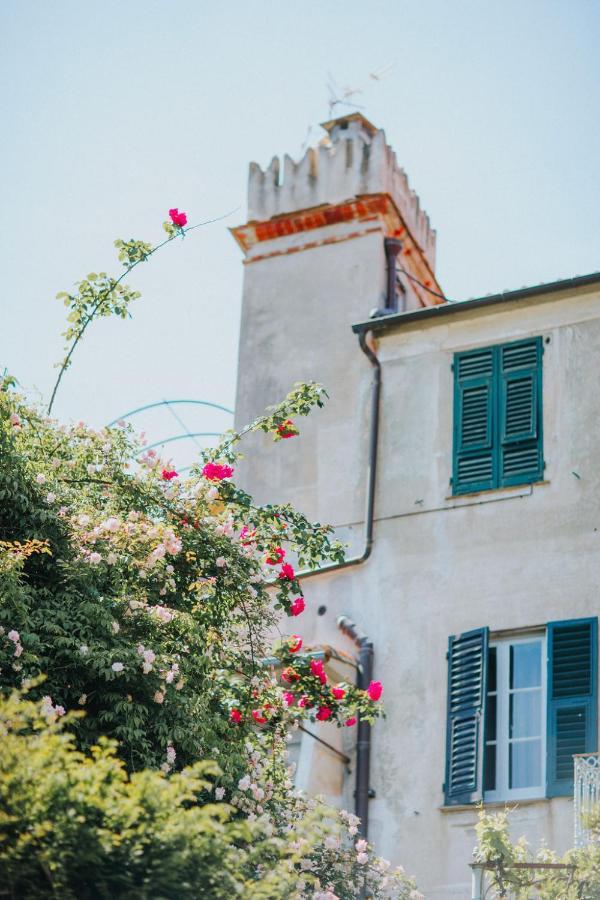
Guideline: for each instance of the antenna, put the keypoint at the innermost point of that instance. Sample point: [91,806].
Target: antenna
[342,96]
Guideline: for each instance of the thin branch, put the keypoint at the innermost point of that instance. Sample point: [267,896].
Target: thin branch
[103,296]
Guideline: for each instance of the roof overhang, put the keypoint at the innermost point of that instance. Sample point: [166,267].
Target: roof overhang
[432,313]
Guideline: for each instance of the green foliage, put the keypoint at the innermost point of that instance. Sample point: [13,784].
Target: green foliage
[578,880]
[77,826]
[135,612]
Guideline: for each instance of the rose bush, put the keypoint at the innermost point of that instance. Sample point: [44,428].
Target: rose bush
[145,600]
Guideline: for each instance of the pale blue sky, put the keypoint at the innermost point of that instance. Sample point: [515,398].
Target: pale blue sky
[114,111]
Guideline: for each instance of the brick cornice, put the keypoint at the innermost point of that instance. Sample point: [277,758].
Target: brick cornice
[363,208]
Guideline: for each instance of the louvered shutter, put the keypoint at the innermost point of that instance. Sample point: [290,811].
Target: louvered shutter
[467,668]
[520,397]
[572,701]
[474,463]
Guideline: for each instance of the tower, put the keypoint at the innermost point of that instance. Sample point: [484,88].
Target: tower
[328,240]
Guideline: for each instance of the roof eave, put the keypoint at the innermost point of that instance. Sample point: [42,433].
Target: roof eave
[397,320]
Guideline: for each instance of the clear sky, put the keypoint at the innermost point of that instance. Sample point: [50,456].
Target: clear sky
[115,111]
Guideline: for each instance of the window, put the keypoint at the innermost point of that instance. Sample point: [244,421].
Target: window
[498,416]
[518,709]
[515,720]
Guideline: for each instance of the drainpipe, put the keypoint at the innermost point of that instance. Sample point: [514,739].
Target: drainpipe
[363,791]
[392,249]
[371,468]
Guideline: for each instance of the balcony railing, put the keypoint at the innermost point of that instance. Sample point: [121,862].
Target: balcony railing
[587,793]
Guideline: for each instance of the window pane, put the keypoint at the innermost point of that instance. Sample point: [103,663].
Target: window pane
[491,674]
[490,719]
[526,665]
[525,714]
[525,764]
[489,777]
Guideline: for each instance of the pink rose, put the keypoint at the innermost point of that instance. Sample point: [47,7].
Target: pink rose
[289,675]
[351,721]
[258,716]
[235,716]
[375,690]
[288,698]
[338,692]
[287,429]
[178,218]
[168,474]
[216,471]
[323,713]
[287,572]
[294,643]
[297,606]
[275,556]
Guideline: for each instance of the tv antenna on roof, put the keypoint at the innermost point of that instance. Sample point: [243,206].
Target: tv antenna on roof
[343,96]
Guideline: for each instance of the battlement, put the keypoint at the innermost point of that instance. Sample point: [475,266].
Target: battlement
[354,160]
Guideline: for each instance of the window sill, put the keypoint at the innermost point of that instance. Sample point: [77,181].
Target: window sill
[502,493]
[496,804]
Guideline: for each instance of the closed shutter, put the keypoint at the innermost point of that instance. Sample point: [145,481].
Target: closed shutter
[572,701]
[474,464]
[521,458]
[467,667]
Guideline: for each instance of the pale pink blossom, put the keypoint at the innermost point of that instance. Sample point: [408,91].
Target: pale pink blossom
[40,478]
[221,562]
[117,667]
[18,649]
[95,558]
[219,793]
[13,636]
[111,524]
[50,497]
[171,754]
[159,697]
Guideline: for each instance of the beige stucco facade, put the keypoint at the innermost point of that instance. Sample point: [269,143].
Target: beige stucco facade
[508,559]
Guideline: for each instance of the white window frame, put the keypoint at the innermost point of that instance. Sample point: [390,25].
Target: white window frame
[502,748]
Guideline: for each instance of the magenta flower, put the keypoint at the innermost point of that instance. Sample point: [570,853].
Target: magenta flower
[178,218]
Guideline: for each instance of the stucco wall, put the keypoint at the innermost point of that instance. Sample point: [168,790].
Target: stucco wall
[506,559]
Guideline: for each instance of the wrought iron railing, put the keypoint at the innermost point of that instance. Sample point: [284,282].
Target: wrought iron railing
[587,793]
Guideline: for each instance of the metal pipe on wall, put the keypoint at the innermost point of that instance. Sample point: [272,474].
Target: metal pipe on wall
[366,655]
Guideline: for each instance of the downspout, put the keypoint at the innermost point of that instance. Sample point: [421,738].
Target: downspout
[362,791]
[371,468]
[392,249]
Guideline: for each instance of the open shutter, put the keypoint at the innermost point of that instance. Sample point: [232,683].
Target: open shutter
[467,668]
[473,463]
[572,702]
[521,452]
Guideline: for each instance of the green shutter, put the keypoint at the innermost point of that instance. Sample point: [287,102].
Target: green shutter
[520,400]
[572,699]
[474,464]
[498,416]
[467,668]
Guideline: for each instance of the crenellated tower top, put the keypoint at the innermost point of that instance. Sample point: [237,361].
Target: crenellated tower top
[352,162]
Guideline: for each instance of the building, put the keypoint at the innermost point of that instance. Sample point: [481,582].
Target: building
[478,584]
